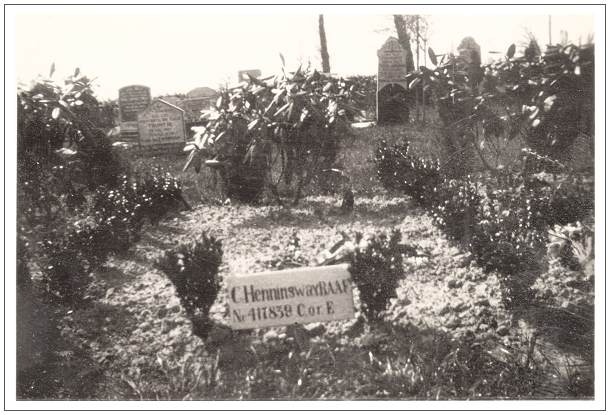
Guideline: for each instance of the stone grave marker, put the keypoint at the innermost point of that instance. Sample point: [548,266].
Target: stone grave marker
[196,100]
[193,106]
[161,126]
[133,99]
[243,74]
[299,295]
[470,60]
[392,103]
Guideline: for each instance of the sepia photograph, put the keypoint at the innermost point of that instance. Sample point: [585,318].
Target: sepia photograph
[326,207]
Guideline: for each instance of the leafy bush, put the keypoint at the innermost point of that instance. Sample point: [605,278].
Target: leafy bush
[60,126]
[547,99]
[66,275]
[572,201]
[573,247]
[398,168]
[150,196]
[37,204]
[74,249]
[365,95]
[453,205]
[279,130]
[193,269]
[376,268]
[63,155]
[509,238]
[504,223]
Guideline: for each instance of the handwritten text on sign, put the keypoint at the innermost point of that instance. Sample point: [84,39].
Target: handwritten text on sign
[301,295]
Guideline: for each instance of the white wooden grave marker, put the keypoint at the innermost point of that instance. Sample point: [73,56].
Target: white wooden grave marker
[300,295]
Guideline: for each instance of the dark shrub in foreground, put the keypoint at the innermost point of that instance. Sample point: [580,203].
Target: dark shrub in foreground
[66,277]
[376,268]
[193,269]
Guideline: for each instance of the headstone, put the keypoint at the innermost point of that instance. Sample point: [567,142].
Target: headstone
[392,103]
[133,99]
[161,126]
[197,100]
[300,295]
[243,74]
[469,60]
[470,51]
[201,92]
[193,106]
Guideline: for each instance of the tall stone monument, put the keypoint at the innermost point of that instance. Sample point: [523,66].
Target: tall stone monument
[392,103]
[133,99]
[161,127]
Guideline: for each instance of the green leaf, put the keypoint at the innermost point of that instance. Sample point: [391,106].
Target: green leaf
[76,72]
[432,57]
[511,51]
[52,70]
[55,113]
[283,60]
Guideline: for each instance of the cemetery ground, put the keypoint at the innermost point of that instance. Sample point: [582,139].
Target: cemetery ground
[446,335]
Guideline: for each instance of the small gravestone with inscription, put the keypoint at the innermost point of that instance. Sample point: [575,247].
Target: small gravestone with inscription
[133,99]
[392,103]
[196,101]
[161,126]
[300,295]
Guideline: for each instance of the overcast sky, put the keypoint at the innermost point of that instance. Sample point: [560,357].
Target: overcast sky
[176,50]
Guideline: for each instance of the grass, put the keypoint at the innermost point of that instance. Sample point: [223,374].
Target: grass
[383,362]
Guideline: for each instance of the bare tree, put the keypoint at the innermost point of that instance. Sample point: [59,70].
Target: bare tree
[404,38]
[323,45]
